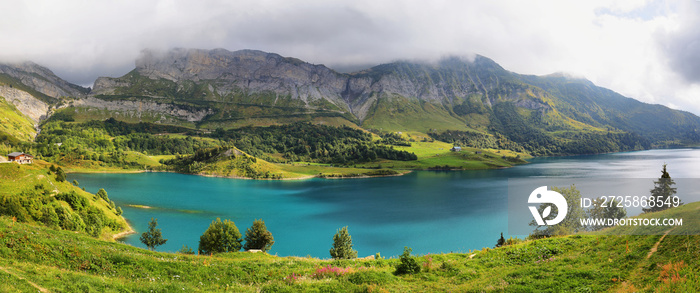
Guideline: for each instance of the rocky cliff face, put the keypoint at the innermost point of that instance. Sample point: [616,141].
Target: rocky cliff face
[255,72]
[137,108]
[25,103]
[250,71]
[42,80]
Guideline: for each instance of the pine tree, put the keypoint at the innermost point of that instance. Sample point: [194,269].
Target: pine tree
[258,237]
[153,236]
[662,193]
[342,245]
[501,241]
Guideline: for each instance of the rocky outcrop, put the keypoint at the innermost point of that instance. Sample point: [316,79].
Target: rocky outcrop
[42,80]
[25,103]
[136,108]
[107,86]
[254,72]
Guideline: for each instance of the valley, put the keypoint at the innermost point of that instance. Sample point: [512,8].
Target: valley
[256,115]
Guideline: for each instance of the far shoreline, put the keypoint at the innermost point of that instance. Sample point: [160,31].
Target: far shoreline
[306,177]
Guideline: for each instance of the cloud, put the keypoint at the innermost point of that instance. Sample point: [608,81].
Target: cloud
[681,43]
[642,49]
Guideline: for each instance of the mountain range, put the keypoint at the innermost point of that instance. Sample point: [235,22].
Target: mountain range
[458,99]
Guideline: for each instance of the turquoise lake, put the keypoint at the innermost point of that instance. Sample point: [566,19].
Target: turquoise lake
[430,211]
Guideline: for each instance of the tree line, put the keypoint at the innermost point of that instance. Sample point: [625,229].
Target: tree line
[98,139]
[220,237]
[311,143]
[224,237]
[511,131]
[107,141]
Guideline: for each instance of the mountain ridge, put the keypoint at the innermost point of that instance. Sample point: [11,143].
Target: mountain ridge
[40,79]
[230,89]
[257,72]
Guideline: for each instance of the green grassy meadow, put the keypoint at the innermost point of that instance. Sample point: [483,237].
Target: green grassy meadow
[65,261]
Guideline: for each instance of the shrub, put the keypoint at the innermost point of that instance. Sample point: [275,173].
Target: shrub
[69,221]
[60,175]
[49,217]
[408,264]
[76,202]
[512,241]
[330,271]
[186,250]
[93,223]
[220,237]
[102,194]
[370,277]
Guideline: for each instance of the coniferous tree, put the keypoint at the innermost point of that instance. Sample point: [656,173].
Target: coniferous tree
[153,236]
[662,193]
[258,237]
[342,245]
[501,241]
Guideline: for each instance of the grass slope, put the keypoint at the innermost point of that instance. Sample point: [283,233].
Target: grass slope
[15,179]
[66,261]
[14,123]
[402,114]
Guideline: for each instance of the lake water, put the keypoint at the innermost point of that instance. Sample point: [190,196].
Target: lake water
[430,211]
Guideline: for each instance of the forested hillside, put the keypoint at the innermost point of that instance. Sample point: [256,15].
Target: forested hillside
[181,111]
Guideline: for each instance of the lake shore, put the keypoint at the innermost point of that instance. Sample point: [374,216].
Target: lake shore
[305,177]
[130,230]
[302,177]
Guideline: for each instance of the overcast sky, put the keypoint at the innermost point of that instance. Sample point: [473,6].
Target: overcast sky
[648,50]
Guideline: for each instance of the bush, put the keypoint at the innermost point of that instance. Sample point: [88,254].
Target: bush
[76,202]
[69,221]
[186,250]
[408,264]
[93,223]
[330,272]
[258,237]
[102,194]
[342,245]
[220,237]
[60,175]
[49,217]
[370,277]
